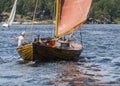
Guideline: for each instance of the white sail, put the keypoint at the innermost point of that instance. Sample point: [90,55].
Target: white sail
[12,15]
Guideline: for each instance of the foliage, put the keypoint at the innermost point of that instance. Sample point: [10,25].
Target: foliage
[99,8]
[107,8]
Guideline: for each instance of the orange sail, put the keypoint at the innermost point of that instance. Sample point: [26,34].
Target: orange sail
[72,13]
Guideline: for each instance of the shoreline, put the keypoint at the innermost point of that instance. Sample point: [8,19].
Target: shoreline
[29,22]
[47,22]
[39,23]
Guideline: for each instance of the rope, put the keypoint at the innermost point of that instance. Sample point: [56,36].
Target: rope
[81,37]
[33,20]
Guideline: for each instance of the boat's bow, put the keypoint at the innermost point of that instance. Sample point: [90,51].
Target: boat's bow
[25,52]
[5,25]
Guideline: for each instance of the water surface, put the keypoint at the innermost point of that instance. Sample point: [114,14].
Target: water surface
[99,63]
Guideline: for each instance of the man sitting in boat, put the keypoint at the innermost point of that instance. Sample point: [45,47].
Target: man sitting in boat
[20,39]
[61,42]
[51,43]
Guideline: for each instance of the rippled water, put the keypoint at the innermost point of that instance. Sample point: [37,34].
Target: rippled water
[99,63]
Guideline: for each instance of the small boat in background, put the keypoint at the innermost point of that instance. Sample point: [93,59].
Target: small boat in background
[11,17]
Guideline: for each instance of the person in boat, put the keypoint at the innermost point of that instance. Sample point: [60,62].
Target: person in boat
[51,42]
[38,40]
[20,39]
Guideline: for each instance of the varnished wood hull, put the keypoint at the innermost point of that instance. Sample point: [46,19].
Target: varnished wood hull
[38,52]
[46,53]
[25,52]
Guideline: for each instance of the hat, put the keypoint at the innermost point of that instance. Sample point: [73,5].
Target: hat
[23,33]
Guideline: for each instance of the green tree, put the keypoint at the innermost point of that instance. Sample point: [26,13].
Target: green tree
[99,8]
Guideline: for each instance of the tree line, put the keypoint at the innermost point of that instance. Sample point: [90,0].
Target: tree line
[101,11]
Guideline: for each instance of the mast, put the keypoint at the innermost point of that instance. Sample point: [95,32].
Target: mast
[57,18]
[36,4]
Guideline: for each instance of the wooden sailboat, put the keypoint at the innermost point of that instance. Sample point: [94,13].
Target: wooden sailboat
[11,17]
[70,14]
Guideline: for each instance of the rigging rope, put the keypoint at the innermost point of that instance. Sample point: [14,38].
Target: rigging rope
[81,37]
[33,20]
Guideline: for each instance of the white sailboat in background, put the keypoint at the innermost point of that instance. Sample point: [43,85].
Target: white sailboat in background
[12,16]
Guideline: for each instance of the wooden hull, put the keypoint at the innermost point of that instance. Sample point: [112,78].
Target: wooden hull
[38,52]
[25,52]
[46,53]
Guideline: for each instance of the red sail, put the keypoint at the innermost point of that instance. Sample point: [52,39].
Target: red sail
[72,14]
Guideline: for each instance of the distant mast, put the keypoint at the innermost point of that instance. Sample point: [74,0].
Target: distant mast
[12,15]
